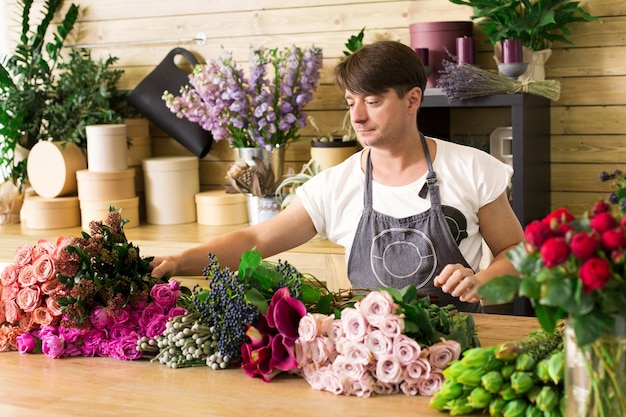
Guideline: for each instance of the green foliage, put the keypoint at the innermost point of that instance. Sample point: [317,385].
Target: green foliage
[354,43]
[26,83]
[536,22]
[85,94]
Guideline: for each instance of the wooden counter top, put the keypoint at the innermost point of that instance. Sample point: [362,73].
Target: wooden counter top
[34,385]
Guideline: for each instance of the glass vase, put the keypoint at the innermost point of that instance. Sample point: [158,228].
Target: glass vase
[595,380]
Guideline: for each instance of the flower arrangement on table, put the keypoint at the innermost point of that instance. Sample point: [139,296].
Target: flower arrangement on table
[264,110]
[91,296]
[575,269]
[94,296]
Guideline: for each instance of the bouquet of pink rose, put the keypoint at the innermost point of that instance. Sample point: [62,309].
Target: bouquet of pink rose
[89,295]
[390,341]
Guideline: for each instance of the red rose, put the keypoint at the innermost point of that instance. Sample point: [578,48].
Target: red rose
[554,251]
[613,239]
[559,216]
[594,273]
[536,233]
[583,245]
[602,222]
[601,207]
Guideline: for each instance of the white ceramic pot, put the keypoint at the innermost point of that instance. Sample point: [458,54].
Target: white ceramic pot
[261,208]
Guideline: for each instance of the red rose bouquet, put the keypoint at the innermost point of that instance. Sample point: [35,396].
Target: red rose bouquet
[575,269]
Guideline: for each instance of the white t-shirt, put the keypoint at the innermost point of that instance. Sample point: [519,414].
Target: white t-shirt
[468,179]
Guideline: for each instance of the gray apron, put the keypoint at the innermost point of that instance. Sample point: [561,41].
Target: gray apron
[391,252]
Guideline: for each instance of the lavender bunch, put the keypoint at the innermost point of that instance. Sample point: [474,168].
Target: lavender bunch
[260,111]
[461,82]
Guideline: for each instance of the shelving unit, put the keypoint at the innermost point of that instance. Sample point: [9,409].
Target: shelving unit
[530,120]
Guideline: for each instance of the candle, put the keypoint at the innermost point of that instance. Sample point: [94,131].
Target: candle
[512,51]
[466,50]
[423,54]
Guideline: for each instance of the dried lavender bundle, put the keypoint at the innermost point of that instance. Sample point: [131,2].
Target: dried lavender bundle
[461,82]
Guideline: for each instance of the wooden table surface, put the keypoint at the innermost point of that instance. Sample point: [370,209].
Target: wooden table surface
[34,385]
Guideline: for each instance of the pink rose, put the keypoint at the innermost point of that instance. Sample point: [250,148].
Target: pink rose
[43,268]
[554,251]
[362,387]
[10,291]
[26,278]
[417,370]
[354,326]
[52,346]
[331,382]
[376,306]
[120,330]
[156,327]
[432,383]
[410,387]
[9,274]
[378,343]
[166,295]
[52,287]
[23,255]
[356,353]
[61,246]
[28,298]
[42,315]
[26,322]
[176,311]
[383,388]
[345,368]
[389,370]
[26,343]
[594,273]
[149,313]
[392,326]
[53,306]
[312,325]
[335,331]
[92,340]
[100,317]
[43,247]
[405,349]
[125,348]
[321,350]
[302,351]
[12,312]
[121,316]
[442,353]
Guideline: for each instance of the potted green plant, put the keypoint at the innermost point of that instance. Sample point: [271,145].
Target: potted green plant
[26,85]
[537,23]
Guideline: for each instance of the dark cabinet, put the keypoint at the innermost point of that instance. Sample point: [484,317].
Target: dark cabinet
[530,120]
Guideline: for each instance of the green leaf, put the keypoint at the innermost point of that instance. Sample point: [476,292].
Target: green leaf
[500,290]
[310,294]
[590,327]
[556,292]
[408,293]
[250,260]
[548,316]
[395,294]
[257,299]
[324,303]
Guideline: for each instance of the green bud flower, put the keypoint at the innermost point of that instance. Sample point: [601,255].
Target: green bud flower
[439,402]
[496,406]
[492,381]
[454,369]
[515,408]
[533,412]
[507,392]
[524,362]
[531,395]
[507,370]
[477,357]
[470,377]
[542,370]
[450,389]
[548,398]
[556,366]
[479,398]
[460,406]
[521,382]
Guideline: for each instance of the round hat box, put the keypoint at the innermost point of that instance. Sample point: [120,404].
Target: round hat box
[107,147]
[218,208]
[105,186]
[50,213]
[52,168]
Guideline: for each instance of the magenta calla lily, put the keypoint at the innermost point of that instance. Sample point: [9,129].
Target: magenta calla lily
[287,314]
[283,355]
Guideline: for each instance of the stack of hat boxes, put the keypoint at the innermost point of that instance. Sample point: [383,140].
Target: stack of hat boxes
[72,190]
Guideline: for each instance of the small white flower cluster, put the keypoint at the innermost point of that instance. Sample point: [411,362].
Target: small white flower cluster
[366,352]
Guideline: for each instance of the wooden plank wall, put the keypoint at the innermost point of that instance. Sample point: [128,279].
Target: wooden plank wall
[588,122]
